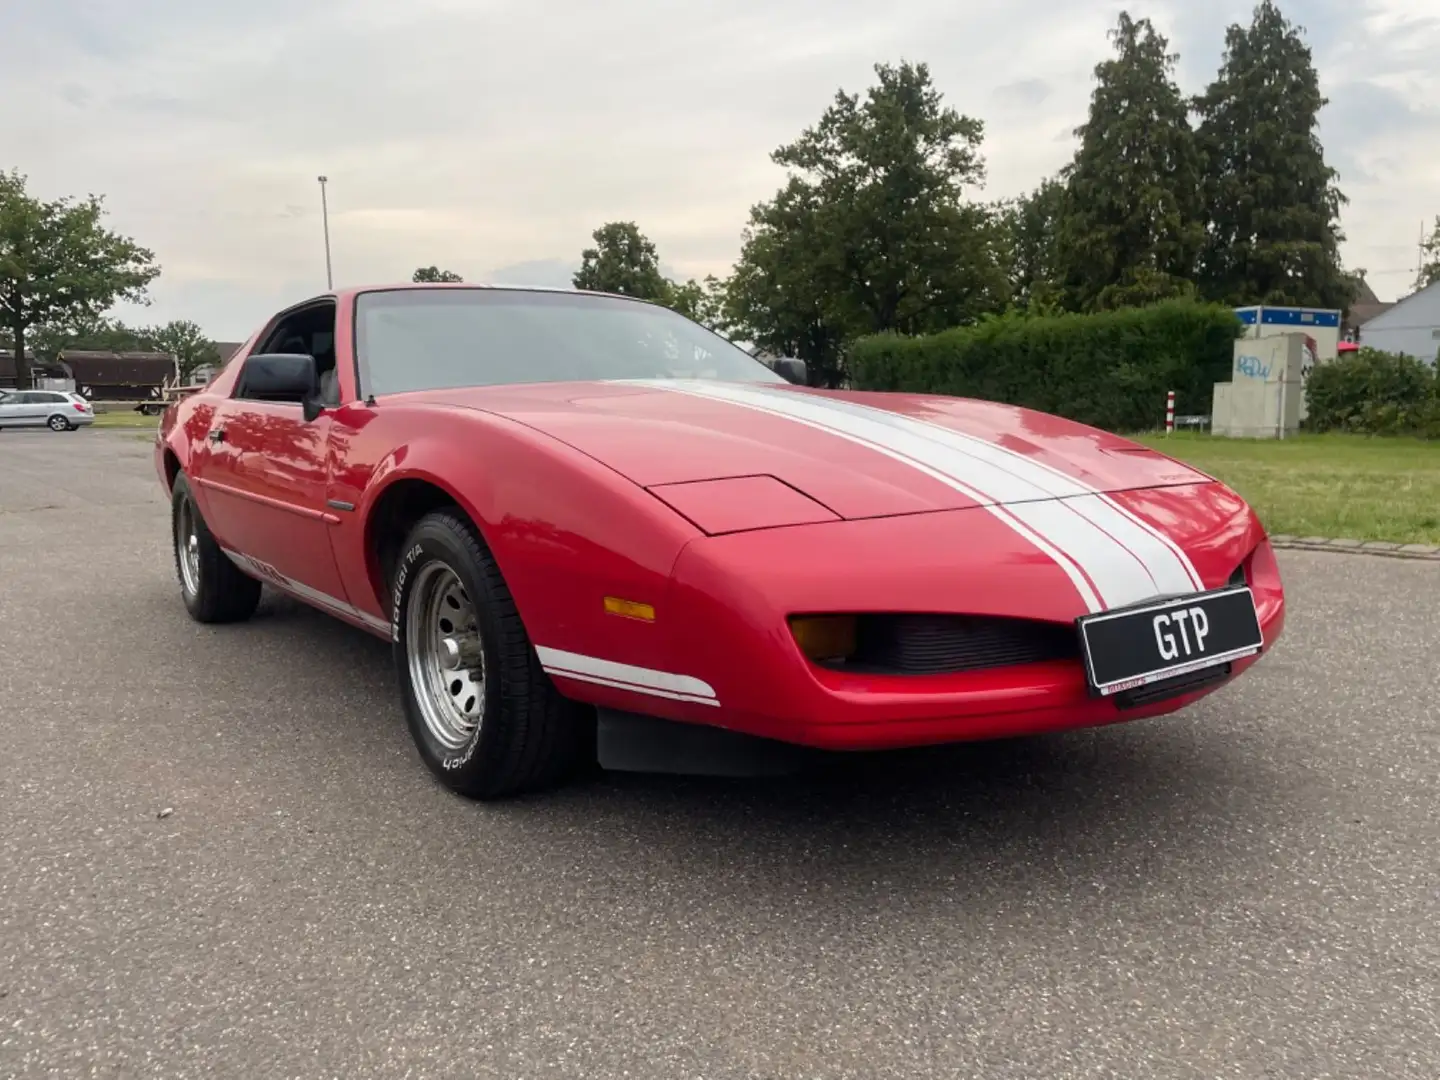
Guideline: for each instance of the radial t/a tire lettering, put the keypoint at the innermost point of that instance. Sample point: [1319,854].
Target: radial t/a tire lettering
[485,717]
[214,589]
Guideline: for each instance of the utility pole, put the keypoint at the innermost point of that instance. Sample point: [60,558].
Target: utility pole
[1420,255]
[325,218]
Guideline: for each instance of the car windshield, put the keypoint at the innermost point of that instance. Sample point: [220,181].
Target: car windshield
[432,339]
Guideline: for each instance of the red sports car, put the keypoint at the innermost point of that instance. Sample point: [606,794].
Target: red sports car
[592,529]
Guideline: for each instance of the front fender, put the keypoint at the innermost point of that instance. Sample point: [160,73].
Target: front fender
[565,531]
[182,428]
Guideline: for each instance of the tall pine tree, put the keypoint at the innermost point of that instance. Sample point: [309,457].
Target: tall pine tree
[1027,228]
[1273,234]
[1131,227]
[873,230]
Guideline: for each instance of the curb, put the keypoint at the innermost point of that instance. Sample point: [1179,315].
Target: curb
[1344,546]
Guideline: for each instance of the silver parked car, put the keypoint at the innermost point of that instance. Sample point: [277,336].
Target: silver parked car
[55,409]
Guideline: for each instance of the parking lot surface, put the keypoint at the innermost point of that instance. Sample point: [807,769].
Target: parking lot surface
[1249,889]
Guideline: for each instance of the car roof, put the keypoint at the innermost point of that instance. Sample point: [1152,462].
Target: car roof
[356,290]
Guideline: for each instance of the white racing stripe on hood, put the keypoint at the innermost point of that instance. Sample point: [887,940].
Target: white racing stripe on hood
[1083,585]
[1111,556]
[1168,566]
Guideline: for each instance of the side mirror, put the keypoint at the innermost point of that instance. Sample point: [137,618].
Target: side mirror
[792,370]
[287,377]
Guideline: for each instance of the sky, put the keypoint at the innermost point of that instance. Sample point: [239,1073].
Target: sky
[490,137]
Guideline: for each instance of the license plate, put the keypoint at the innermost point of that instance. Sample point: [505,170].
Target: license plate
[1140,645]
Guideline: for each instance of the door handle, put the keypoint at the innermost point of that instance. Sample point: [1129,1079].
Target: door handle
[217,434]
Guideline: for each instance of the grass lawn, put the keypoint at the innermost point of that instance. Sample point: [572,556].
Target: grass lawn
[1325,485]
[127,418]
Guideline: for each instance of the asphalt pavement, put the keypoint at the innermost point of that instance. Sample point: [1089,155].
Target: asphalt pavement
[1248,889]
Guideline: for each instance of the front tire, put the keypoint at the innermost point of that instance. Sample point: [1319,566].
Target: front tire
[484,715]
[214,589]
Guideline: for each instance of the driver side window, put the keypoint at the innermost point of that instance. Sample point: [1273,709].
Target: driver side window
[310,331]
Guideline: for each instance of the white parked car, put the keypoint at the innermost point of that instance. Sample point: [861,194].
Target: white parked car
[55,409]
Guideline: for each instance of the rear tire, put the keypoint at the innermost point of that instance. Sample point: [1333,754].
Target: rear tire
[59,423]
[214,589]
[484,715]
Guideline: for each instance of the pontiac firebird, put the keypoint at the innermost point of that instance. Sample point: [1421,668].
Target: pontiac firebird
[592,529]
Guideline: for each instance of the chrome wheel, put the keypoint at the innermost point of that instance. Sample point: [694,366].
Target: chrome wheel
[187,547]
[446,656]
[59,423]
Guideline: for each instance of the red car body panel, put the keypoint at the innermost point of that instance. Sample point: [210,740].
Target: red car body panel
[729,509]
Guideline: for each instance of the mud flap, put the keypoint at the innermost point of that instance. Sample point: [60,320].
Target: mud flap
[628,742]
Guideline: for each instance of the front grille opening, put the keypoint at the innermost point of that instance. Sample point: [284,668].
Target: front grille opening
[1238,576]
[906,644]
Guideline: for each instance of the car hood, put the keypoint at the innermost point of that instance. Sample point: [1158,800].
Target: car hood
[856,455]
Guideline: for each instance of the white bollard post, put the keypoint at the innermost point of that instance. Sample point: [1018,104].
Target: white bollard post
[1170,412]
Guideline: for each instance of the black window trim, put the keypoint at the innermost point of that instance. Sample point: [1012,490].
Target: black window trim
[314,303]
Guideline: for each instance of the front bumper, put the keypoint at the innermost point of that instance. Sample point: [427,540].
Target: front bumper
[730,597]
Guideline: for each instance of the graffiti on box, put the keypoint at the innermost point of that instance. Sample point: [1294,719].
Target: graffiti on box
[1253,366]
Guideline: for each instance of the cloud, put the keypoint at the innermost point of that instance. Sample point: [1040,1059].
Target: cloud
[1025,94]
[494,135]
[549,273]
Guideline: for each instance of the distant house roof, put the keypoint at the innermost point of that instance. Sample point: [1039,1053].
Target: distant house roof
[1364,307]
[37,366]
[226,349]
[118,368]
[1433,289]
[1360,313]
[1364,295]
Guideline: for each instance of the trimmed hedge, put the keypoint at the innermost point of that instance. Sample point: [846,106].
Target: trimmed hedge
[1111,369]
[1374,393]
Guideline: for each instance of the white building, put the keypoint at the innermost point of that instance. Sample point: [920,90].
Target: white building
[1411,326]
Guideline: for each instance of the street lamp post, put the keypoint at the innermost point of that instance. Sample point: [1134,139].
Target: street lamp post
[325,218]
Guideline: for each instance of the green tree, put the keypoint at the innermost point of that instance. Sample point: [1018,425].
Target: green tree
[1273,234]
[434,274]
[1028,249]
[102,334]
[778,298]
[1131,226]
[187,343]
[1429,259]
[702,301]
[623,261]
[59,266]
[872,232]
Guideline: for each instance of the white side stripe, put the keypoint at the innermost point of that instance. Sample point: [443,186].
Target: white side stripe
[270,576]
[1094,538]
[640,680]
